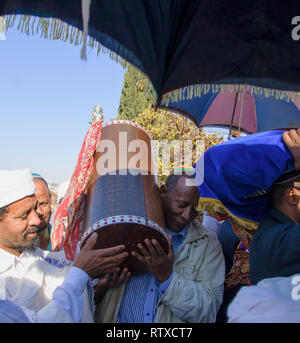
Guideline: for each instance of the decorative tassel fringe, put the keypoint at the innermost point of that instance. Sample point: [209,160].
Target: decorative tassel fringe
[2,28]
[56,29]
[215,206]
[85,4]
[196,91]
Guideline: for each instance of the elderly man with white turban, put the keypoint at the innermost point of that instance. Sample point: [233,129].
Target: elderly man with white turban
[29,280]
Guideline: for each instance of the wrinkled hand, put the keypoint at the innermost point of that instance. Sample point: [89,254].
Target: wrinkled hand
[158,263]
[110,280]
[292,140]
[100,261]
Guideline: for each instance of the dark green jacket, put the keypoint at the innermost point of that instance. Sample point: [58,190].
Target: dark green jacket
[275,248]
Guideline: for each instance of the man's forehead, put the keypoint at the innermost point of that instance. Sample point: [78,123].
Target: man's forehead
[297,184]
[186,184]
[23,204]
[185,192]
[39,181]
[41,186]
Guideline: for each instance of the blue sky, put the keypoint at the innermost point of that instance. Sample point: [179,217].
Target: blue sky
[47,94]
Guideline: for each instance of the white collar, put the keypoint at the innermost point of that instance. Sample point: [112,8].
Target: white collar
[8,259]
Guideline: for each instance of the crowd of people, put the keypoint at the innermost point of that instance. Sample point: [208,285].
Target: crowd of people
[208,274]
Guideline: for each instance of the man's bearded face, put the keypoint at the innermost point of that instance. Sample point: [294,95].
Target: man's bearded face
[19,226]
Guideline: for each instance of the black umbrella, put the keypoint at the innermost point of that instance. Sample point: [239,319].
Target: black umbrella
[187,42]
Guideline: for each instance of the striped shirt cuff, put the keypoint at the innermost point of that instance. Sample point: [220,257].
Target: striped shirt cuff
[164,285]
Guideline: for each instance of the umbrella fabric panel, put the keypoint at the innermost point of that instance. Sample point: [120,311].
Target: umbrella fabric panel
[276,114]
[237,42]
[216,109]
[194,109]
[253,113]
[222,111]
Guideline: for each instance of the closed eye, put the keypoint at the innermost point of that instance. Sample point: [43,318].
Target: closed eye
[25,215]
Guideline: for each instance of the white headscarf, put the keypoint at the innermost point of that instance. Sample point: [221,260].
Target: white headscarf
[15,185]
[62,189]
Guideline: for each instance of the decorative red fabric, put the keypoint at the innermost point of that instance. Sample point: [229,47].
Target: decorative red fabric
[72,205]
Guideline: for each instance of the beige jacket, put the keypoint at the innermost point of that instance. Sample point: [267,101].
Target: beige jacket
[195,293]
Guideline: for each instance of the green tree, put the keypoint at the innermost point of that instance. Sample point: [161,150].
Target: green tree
[165,126]
[134,97]
[162,125]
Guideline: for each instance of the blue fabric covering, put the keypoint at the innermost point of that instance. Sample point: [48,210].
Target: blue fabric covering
[240,172]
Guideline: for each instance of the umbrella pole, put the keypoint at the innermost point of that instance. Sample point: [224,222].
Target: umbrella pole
[233,113]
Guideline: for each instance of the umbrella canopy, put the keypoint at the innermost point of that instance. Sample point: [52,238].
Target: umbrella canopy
[239,108]
[186,42]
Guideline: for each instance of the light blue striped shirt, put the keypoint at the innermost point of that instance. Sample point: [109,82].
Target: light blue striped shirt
[142,292]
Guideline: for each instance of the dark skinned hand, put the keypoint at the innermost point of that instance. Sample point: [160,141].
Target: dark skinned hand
[110,280]
[99,261]
[292,140]
[158,263]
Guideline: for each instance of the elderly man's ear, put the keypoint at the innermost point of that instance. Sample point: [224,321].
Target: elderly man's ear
[163,191]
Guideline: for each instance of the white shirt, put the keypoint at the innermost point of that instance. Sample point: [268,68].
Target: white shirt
[273,300]
[43,290]
[12,313]
[210,223]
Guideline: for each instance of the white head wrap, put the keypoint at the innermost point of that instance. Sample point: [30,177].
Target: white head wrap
[15,185]
[62,189]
